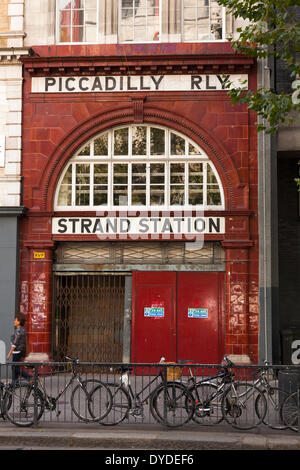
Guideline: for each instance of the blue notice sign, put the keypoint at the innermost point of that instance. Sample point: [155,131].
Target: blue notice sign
[154,312]
[198,313]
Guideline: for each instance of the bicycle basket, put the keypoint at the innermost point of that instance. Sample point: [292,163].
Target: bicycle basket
[173,372]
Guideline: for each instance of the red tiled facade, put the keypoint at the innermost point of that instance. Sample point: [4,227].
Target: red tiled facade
[55,125]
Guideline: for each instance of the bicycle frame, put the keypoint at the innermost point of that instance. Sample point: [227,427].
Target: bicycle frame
[50,401]
[136,396]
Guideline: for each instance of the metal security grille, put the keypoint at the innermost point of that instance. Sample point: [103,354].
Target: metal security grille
[88,317]
[139,253]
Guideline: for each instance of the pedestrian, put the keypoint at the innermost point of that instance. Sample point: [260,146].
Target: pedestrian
[18,348]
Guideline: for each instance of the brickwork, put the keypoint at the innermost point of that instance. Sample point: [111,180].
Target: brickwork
[55,125]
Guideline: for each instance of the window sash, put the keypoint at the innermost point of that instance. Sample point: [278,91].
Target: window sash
[136,13]
[103,24]
[143,181]
[121,184]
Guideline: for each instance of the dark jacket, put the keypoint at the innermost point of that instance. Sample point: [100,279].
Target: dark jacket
[18,339]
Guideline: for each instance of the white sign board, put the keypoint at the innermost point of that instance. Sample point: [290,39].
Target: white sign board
[137,225]
[134,83]
[154,312]
[198,313]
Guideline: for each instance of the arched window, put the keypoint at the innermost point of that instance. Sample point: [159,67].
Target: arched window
[138,167]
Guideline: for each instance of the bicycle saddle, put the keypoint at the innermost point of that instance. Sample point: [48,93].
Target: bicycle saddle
[125,368]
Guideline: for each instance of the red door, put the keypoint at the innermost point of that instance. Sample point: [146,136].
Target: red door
[199,316]
[178,316]
[153,328]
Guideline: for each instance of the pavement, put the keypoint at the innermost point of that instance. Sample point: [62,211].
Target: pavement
[145,437]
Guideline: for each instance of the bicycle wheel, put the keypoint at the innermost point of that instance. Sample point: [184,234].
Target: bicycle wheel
[91,407]
[2,400]
[208,410]
[172,405]
[290,411]
[120,405]
[273,416]
[238,405]
[22,405]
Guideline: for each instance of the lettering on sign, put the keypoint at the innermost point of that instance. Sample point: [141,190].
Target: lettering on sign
[197,312]
[133,83]
[154,312]
[137,225]
[39,254]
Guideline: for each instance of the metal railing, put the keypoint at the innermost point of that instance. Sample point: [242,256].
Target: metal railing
[167,394]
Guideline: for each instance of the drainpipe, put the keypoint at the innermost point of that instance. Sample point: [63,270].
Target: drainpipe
[268,239]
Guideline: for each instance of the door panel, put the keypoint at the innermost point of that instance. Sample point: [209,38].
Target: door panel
[178,316]
[199,316]
[153,317]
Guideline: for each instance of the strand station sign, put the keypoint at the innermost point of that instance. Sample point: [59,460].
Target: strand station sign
[139,226]
[134,83]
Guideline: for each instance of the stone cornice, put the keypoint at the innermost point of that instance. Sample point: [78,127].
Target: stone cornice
[113,60]
[136,65]
[9,55]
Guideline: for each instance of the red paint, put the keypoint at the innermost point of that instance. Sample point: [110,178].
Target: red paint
[200,339]
[174,335]
[153,337]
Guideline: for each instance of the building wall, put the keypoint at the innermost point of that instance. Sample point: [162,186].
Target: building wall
[55,125]
[11,41]
[11,82]
[287,151]
[9,255]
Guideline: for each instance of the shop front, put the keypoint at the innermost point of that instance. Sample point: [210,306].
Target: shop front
[140,182]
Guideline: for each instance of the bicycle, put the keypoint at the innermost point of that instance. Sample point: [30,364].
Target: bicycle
[5,394]
[290,411]
[229,400]
[27,401]
[207,394]
[167,401]
[274,397]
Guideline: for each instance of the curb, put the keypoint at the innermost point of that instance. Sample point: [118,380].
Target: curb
[145,440]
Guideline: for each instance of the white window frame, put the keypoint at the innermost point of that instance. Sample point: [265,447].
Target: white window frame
[135,41]
[130,159]
[223,39]
[58,26]
[98,36]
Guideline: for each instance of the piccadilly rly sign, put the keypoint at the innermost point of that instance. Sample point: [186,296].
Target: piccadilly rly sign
[134,83]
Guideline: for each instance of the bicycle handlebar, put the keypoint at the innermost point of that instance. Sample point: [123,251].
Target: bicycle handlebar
[74,360]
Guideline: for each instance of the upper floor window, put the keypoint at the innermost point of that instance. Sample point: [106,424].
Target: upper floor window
[136,21]
[77,20]
[139,167]
[202,20]
[139,20]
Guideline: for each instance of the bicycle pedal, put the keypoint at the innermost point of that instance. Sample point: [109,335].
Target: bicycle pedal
[58,413]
